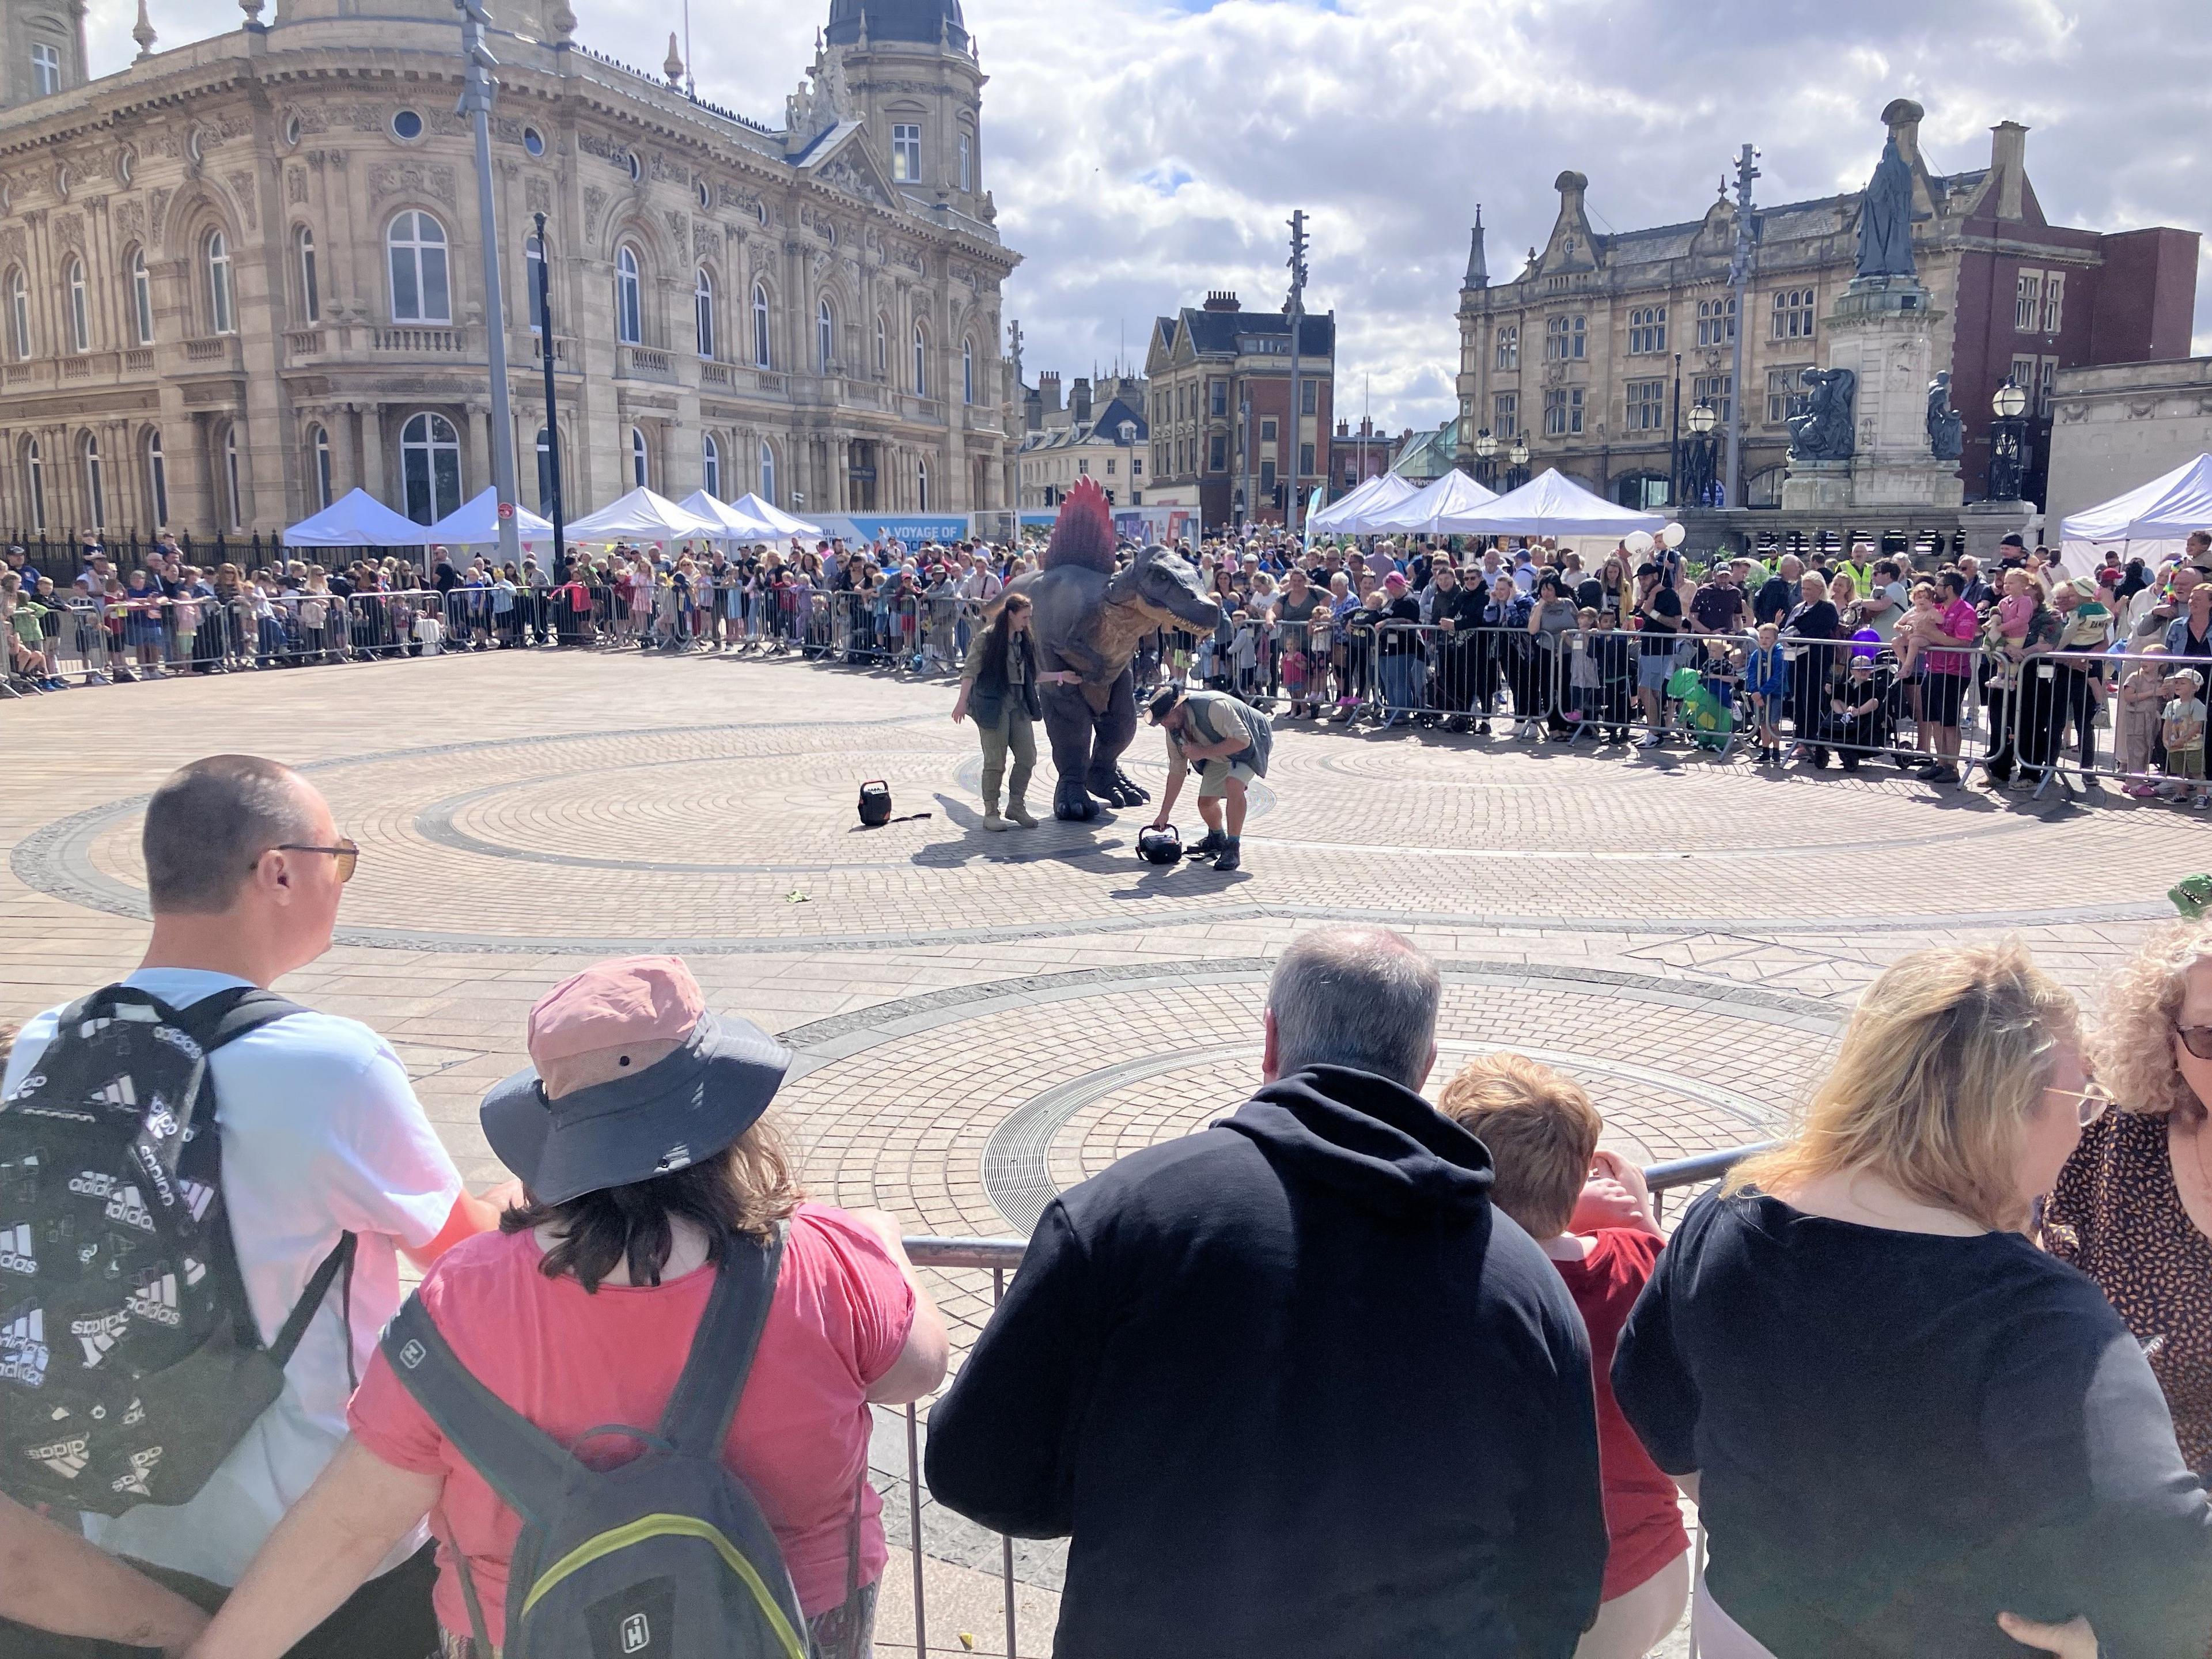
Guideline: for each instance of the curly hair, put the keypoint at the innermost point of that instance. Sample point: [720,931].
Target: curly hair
[2132,1049]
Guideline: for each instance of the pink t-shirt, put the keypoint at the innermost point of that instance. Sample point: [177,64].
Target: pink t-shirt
[570,1361]
[1961,623]
[2014,612]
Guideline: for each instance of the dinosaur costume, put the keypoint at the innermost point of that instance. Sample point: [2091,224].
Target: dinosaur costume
[1089,618]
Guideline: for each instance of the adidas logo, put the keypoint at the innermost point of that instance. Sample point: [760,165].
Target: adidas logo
[127,1208]
[120,1092]
[194,1272]
[178,1040]
[156,1177]
[142,1465]
[66,1458]
[15,1249]
[160,1122]
[156,1300]
[23,1349]
[197,1197]
[678,1157]
[99,1335]
[136,1415]
[92,1183]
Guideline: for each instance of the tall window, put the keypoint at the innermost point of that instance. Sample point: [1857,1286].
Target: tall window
[46,70]
[318,464]
[34,482]
[1717,321]
[1565,338]
[1562,411]
[702,313]
[906,153]
[921,487]
[920,363]
[430,466]
[2054,301]
[142,297]
[311,292]
[2023,374]
[234,499]
[763,356]
[1505,416]
[767,473]
[420,291]
[883,348]
[641,460]
[1793,314]
[1715,391]
[157,478]
[2027,302]
[629,305]
[1217,457]
[967,371]
[825,335]
[96,481]
[19,316]
[967,162]
[80,309]
[533,272]
[1509,346]
[218,281]
[710,465]
[1786,395]
[1647,329]
[1647,405]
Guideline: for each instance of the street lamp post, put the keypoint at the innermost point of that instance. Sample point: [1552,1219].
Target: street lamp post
[1128,433]
[1696,459]
[475,104]
[552,411]
[1485,465]
[1674,440]
[2008,441]
[1519,456]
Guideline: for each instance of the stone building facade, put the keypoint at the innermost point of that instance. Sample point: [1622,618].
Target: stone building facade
[240,277]
[1593,346]
[1108,439]
[2121,425]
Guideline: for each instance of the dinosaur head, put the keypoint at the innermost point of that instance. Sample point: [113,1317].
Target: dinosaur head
[1165,585]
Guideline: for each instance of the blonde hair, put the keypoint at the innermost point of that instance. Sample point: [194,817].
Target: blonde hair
[1943,1064]
[1541,1130]
[1815,581]
[2132,1048]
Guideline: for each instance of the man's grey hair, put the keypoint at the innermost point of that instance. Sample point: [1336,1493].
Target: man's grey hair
[1361,997]
[211,821]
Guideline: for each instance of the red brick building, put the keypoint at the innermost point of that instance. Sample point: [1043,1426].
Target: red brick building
[1355,457]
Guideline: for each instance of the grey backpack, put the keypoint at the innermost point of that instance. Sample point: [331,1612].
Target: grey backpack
[665,1556]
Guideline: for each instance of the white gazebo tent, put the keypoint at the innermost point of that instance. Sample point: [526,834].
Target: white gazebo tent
[642,516]
[1349,517]
[1446,507]
[2150,522]
[476,524]
[778,523]
[357,518]
[1551,505]
[745,521]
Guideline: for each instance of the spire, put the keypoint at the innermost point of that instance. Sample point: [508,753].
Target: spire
[143,33]
[1477,269]
[673,67]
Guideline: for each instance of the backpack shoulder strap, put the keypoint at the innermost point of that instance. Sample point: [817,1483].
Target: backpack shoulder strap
[519,1460]
[339,1261]
[697,1420]
[228,1015]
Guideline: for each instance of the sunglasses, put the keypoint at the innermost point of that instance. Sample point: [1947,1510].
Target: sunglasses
[2090,1103]
[2197,1039]
[346,853]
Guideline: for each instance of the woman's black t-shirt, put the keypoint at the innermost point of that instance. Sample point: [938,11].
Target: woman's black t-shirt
[1899,1436]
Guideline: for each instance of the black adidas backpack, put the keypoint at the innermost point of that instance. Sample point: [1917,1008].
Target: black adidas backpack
[130,1364]
[665,1556]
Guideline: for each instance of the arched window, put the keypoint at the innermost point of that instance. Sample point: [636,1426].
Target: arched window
[825,335]
[967,371]
[34,482]
[882,348]
[533,272]
[420,290]
[142,297]
[629,307]
[710,461]
[311,292]
[19,316]
[544,471]
[762,355]
[767,473]
[641,461]
[96,480]
[921,486]
[157,479]
[233,498]
[318,464]
[920,363]
[80,308]
[431,468]
[220,319]
[702,309]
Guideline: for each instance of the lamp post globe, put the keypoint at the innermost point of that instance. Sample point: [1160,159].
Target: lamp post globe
[1519,453]
[2010,402]
[1702,419]
[1485,445]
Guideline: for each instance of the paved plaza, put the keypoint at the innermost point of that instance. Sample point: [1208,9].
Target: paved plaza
[982,1020]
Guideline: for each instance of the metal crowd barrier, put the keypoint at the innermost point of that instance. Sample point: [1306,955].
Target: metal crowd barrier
[1002,1256]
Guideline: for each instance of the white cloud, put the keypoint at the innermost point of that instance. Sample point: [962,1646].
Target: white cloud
[1144,151]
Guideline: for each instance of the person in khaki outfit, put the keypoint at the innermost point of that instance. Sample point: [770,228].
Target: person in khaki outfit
[999,687]
[1226,742]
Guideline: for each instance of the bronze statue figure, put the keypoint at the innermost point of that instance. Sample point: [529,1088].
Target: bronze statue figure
[1824,433]
[1886,218]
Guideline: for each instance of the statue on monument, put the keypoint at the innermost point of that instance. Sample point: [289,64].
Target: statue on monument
[1946,427]
[1886,218]
[1825,432]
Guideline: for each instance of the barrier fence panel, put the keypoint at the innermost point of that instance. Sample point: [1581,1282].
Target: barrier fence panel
[2093,716]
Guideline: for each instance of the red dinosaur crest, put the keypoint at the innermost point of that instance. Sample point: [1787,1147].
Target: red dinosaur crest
[1085,535]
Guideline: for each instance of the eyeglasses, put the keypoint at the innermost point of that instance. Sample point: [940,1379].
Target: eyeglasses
[2090,1103]
[2197,1039]
[346,853]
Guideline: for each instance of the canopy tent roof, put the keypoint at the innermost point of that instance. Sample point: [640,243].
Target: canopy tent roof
[642,516]
[2153,519]
[1551,505]
[1444,509]
[743,521]
[1348,517]
[779,522]
[476,523]
[358,519]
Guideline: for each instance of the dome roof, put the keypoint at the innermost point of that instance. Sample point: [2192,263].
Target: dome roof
[898,19]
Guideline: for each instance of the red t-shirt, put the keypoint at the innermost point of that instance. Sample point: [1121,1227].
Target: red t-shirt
[570,1361]
[1643,1508]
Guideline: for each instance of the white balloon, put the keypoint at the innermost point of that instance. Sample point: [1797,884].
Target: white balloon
[1673,535]
[1639,542]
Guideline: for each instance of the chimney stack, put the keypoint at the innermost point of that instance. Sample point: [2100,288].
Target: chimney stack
[1049,390]
[2008,160]
[1222,300]
[1078,405]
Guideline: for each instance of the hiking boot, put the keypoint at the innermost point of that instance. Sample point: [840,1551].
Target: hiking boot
[1228,859]
[991,821]
[1213,842]
[1017,809]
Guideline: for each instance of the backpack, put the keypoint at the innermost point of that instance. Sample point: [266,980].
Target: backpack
[667,1556]
[131,1363]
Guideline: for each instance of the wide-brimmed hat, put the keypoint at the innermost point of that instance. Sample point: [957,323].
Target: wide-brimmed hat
[680,1108]
[1165,702]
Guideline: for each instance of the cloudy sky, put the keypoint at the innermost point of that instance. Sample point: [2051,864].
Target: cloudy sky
[1144,151]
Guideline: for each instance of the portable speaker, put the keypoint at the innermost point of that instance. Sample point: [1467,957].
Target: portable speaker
[875,804]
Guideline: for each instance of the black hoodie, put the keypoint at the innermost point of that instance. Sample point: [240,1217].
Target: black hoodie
[1291,1386]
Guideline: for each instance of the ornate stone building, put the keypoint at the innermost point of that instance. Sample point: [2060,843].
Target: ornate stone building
[1590,348]
[240,277]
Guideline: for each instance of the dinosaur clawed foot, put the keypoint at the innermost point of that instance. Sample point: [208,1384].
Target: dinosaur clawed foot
[1072,803]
